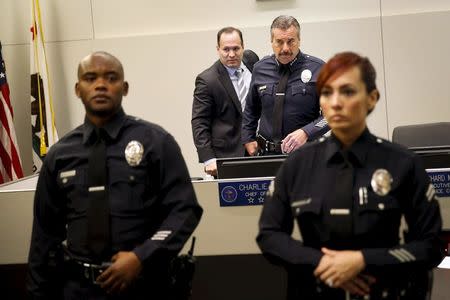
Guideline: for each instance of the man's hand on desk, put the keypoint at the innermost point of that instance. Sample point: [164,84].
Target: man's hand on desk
[211,168]
[252,148]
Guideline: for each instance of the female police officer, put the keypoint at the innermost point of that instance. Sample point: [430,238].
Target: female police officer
[348,194]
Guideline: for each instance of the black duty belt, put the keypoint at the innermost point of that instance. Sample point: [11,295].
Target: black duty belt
[267,146]
[83,271]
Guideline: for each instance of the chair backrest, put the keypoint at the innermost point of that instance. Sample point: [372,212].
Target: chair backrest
[423,135]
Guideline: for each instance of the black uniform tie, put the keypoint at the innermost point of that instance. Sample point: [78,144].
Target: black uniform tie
[340,209]
[277,117]
[98,236]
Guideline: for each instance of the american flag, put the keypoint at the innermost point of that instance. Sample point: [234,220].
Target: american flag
[10,164]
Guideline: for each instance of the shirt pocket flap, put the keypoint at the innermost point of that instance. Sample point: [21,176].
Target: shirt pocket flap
[379,203]
[304,88]
[130,176]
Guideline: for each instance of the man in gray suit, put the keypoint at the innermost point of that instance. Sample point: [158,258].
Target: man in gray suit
[219,98]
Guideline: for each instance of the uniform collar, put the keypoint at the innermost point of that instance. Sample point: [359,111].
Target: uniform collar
[112,128]
[294,63]
[357,153]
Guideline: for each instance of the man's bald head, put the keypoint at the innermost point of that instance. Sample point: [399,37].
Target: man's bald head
[102,54]
[101,86]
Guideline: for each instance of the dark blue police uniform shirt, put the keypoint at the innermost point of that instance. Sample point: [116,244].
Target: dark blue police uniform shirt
[304,186]
[301,104]
[153,205]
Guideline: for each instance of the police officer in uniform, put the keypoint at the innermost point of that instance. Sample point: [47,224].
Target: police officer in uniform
[348,194]
[288,114]
[149,205]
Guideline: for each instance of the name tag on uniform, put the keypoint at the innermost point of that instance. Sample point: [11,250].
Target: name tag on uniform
[262,88]
[340,211]
[67,174]
[96,188]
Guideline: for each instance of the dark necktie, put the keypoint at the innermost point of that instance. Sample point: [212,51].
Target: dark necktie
[341,207]
[98,236]
[277,116]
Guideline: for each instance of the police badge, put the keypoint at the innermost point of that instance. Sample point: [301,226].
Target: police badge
[133,153]
[306,76]
[381,182]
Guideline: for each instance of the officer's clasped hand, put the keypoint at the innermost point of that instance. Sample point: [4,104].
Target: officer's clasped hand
[341,269]
[124,269]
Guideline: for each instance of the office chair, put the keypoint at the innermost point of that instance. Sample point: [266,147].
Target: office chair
[422,135]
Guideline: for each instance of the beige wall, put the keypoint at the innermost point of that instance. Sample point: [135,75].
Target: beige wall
[165,45]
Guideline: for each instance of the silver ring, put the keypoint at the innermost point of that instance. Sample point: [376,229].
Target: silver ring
[329,282]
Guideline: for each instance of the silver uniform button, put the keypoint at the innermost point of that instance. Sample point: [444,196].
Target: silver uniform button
[381,182]
[134,153]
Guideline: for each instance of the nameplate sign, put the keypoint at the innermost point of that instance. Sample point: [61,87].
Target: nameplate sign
[440,178]
[243,192]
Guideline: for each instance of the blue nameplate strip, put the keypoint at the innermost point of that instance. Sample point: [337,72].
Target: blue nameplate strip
[440,178]
[243,192]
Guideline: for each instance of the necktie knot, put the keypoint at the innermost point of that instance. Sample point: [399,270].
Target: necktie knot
[239,72]
[284,69]
[346,160]
[100,135]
